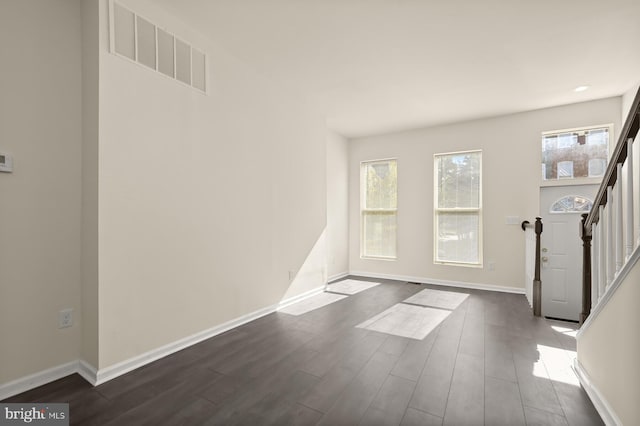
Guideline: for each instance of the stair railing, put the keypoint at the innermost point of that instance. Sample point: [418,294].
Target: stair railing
[534,289]
[607,232]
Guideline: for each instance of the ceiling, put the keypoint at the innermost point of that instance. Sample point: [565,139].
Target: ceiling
[377,66]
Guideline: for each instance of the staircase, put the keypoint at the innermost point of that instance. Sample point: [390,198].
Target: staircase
[609,341]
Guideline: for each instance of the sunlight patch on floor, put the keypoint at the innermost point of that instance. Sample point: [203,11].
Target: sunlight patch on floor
[350,286]
[438,299]
[411,321]
[312,303]
[558,364]
[539,370]
[564,330]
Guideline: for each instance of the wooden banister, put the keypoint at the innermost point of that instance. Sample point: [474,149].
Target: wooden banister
[537,284]
[586,271]
[609,249]
[629,131]
[536,289]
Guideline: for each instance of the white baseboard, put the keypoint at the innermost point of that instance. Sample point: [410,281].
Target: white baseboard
[609,416]
[40,378]
[337,277]
[97,377]
[295,299]
[422,280]
[109,373]
[113,371]
[87,372]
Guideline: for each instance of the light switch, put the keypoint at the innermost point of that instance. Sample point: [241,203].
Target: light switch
[6,163]
[513,220]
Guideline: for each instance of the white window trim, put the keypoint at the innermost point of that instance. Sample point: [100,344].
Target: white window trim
[437,210]
[581,180]
[364,210]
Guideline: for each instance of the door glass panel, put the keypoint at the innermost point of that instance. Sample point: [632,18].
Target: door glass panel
[571,204]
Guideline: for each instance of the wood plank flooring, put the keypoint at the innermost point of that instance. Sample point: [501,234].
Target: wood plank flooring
[490,362]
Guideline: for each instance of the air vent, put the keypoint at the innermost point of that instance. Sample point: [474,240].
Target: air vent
[139,40]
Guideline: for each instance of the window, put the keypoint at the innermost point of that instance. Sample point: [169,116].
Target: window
[565,169]
[578,153]
[597,167]
[572,204]
[379,208]
[458,208]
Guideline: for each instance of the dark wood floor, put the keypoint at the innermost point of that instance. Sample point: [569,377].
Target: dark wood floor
[489,362]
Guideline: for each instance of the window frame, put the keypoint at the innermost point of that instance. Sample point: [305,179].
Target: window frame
[588,180]
[437,210]
[364,210]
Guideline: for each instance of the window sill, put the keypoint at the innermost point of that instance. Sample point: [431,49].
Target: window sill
[570,182]
[464,265]
[388,259]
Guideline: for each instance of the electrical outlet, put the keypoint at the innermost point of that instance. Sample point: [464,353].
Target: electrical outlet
[492,266]
[65,318]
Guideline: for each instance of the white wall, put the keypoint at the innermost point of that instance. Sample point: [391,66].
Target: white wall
[206,202]
[337,205]
[311,277]
[90,105]
[609,350]
[627,100]
[511,177]
[40,125]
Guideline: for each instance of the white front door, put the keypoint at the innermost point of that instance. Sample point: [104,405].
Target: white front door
[561,256]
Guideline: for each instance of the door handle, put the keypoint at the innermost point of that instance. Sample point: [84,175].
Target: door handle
[545,259]
[544,250]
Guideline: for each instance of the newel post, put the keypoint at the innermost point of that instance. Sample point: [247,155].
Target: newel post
[586,269]
[537,284]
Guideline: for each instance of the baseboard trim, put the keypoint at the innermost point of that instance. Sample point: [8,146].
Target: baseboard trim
[295,299]
[116,370]
[337,277]
[7,390]
[609,416]
[87,372]
[435,281]
[96,377]
[109,373]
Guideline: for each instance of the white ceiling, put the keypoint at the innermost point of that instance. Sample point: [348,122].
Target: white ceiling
[377,66]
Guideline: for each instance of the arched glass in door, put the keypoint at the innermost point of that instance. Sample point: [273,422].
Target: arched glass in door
[571,204]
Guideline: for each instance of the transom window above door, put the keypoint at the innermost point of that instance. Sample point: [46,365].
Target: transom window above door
[569,155]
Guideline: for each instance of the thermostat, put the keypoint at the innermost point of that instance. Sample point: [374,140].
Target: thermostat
[6,163]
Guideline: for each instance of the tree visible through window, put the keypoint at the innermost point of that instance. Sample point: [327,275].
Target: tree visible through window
[379,204]
[458,208]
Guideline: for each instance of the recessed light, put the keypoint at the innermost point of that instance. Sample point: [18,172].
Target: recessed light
[580,88]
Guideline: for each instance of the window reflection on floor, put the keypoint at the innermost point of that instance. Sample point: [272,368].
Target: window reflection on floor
[556,363]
